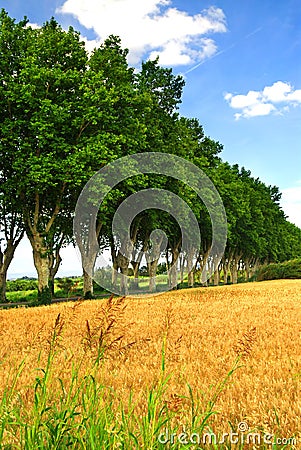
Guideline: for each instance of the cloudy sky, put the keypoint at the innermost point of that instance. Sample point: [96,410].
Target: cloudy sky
[242,66]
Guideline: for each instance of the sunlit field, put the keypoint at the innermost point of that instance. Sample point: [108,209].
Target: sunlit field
[155,372]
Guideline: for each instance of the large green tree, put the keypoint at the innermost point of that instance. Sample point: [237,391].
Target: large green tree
[11,223]
[117,108]
[54,105]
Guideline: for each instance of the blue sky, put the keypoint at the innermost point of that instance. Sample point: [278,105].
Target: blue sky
[242,66]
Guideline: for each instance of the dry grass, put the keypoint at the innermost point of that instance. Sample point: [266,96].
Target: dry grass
[204,330]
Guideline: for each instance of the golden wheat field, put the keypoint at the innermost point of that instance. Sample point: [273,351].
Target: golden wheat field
[205,329]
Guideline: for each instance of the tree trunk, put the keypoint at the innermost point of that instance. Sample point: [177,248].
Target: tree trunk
[55,262]
[204,274]
[135,281]
[114,272]
[42,263]
[191,278]
[3,276]
[87,285]
[89,248]
[216,272]
[182,265]
[220,268]
[121,260]
[173,279]
[152,270]
[6,258]
[136,264]
[210,266]
[226,264]
[234,272]
[167,260]
[247,269]
[123,263]
[152,258]
[51,284]
[115,263]
[202,261]
[173,273]
[255,265]
[234,268]
[124,281]
[216,277]
[190,270]
[88,270]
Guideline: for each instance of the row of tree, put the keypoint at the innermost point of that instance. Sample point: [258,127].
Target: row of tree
[65,114]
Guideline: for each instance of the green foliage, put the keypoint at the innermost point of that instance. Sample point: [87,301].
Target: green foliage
[161,269]
[65,114]
[65,284]
[21,284]
[288,269]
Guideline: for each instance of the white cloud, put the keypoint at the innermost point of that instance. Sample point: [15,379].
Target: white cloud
[34,26]
[291,204]
[260,109]
[295,96]
[91,44]
[151,28]
[272,99]
[177,52]
[277,92]
[243,101]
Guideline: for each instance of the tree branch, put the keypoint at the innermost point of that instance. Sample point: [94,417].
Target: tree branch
[56,210]
[36,211]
